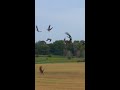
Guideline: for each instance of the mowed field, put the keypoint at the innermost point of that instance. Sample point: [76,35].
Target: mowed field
[61,76]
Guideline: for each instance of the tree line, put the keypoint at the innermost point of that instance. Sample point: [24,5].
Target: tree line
[76,48]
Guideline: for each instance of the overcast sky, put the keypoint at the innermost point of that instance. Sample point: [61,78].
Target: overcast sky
[63,16]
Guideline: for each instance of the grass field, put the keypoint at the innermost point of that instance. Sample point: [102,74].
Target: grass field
[60,76]
[55,59]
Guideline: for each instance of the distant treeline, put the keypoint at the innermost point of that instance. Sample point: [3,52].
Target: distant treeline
[76,48]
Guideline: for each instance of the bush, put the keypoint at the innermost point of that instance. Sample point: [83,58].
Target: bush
[69,57]
[49,55]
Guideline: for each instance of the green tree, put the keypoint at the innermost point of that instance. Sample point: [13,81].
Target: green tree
[58,47]
[41,48]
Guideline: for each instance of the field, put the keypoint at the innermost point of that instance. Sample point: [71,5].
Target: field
[55,59]
[60,76]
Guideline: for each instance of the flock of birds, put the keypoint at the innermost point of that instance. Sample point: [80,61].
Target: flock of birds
[49,29]
[49,39]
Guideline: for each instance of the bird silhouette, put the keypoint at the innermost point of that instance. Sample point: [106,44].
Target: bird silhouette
[69,36]
[67,41]
[37,29]
[70,39]
[49,28]
[49,39]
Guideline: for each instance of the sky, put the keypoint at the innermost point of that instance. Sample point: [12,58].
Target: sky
[63,16]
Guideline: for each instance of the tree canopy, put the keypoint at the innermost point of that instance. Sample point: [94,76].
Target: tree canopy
[77,48]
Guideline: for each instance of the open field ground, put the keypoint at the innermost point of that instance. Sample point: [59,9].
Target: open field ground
[60,76]
[56,59]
